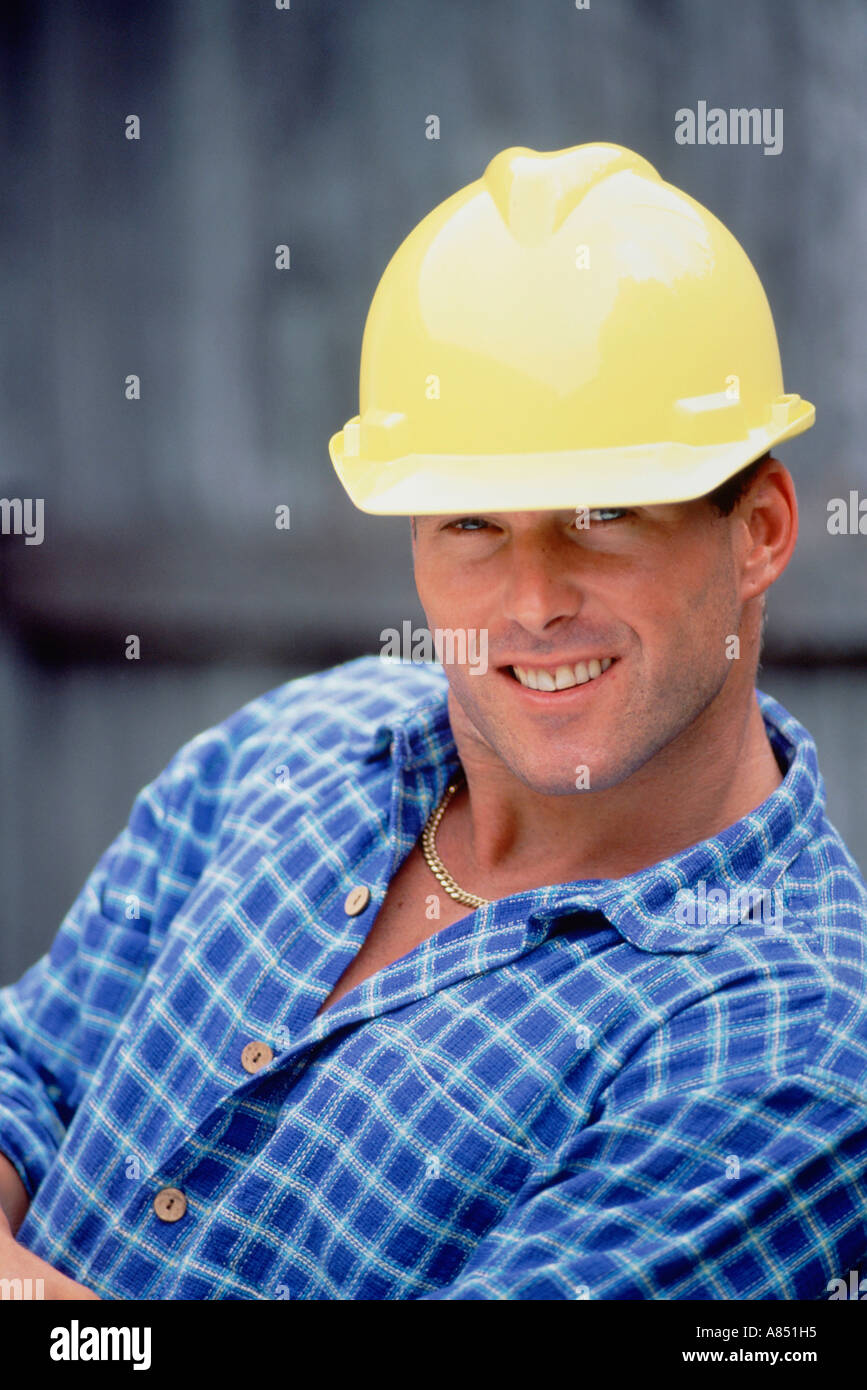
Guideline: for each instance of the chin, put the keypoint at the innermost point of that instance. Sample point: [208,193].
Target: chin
[555,781]
[575,772]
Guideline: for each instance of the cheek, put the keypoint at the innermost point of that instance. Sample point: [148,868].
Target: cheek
[677,611]
[451,598]
[702,611]
[716,601]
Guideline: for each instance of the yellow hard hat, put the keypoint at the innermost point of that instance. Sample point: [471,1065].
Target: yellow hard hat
[569,330]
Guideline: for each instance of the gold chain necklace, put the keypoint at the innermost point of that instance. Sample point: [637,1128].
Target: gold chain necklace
[432,859]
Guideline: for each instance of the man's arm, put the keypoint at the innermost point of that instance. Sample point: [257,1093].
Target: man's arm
[18,1264]
[58,1019]
[13,1194]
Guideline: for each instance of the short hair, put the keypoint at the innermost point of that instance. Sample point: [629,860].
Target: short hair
[726,497]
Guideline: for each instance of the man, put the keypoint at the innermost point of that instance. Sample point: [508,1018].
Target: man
[542,980]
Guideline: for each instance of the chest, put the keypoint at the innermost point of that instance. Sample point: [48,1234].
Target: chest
[414,908]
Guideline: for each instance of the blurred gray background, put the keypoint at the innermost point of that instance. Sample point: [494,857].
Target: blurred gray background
[306,126]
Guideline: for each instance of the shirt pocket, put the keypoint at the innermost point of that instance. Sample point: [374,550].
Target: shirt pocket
[386,1178]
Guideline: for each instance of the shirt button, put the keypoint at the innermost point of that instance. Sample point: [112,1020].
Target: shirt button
[255,1056]
[170,1204]
[356,900]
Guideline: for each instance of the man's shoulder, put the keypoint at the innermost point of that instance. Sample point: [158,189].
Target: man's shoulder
[321,710]
[822,864]
[360,693]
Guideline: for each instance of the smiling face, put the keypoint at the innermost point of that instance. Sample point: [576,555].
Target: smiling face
[629,614]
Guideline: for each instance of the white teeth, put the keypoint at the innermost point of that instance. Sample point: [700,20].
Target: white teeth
[538,678]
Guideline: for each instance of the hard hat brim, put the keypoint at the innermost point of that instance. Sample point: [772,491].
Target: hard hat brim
[625,476]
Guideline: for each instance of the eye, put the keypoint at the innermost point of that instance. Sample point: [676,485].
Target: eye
[607,513]
[470,523]
[597,516]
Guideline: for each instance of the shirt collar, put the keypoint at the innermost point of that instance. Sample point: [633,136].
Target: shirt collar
[745,860]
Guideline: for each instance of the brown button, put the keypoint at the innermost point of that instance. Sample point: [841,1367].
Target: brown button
[255,1056]
[356,900]
[170,1204]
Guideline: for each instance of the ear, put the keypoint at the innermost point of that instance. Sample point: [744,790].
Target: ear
[768,528]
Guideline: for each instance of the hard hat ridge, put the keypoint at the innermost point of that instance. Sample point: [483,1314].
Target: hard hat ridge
[535,192]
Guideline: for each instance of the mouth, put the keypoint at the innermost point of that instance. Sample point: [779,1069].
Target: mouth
[553,680]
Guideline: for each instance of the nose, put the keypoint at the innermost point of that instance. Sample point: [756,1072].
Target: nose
[544,582]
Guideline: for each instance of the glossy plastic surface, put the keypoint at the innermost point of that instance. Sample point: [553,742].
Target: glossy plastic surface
[569,330]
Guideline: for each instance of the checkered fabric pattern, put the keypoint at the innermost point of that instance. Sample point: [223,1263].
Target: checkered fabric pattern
[582,1091]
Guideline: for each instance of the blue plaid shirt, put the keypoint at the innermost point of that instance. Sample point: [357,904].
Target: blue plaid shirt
[580,1091]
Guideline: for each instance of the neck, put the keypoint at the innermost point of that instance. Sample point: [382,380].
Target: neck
[499,836]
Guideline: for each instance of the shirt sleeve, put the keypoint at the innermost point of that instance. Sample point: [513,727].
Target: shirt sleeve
[57,1019]
[754,1188]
